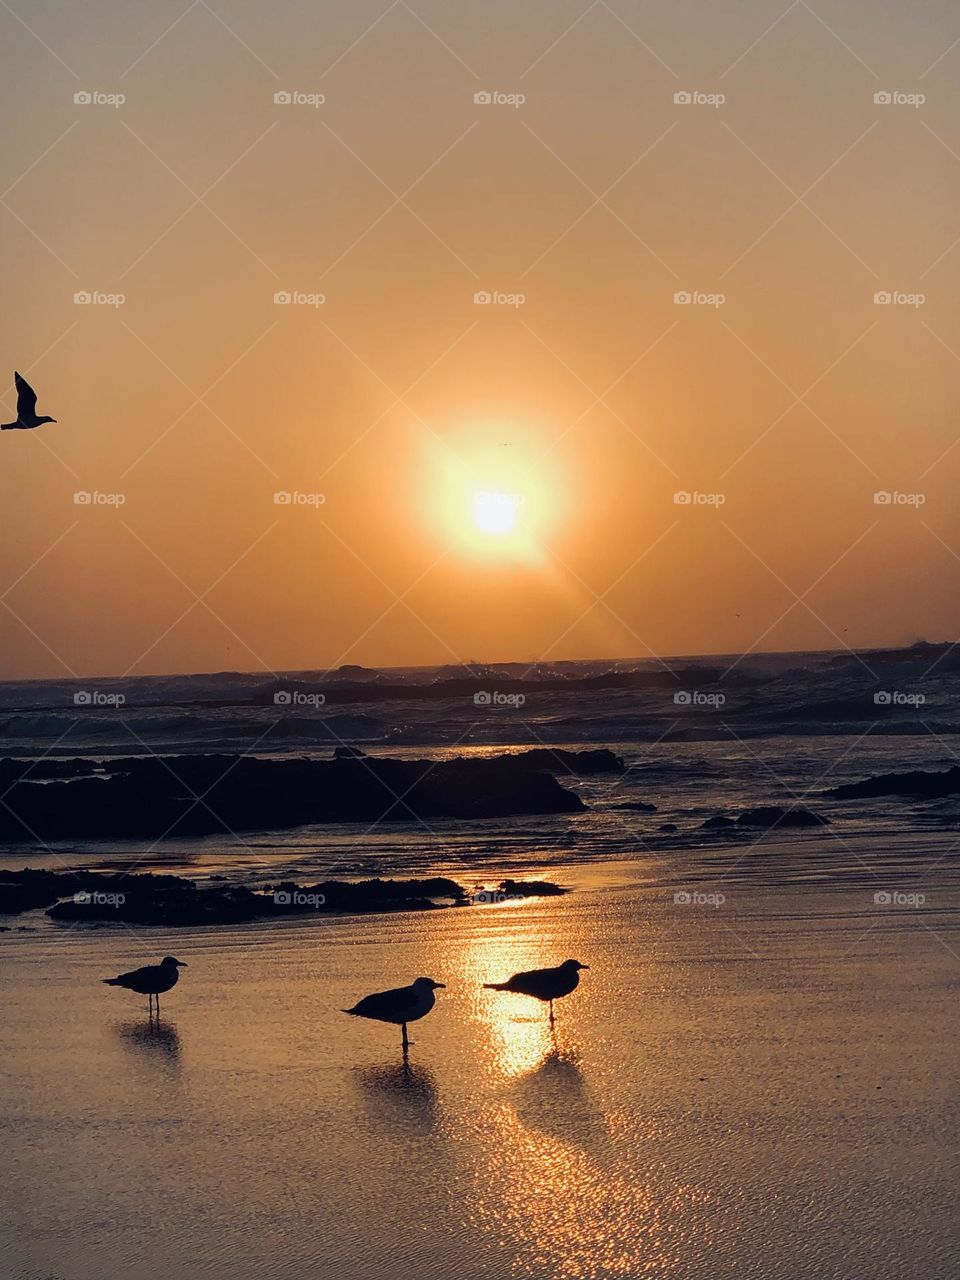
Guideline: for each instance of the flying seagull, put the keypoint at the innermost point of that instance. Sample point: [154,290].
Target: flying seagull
[403,1005]
[543,984]
[152,980]
[26,408]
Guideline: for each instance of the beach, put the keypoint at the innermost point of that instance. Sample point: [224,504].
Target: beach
[763,1085]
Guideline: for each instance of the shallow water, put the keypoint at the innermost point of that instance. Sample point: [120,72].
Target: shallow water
[765,1088]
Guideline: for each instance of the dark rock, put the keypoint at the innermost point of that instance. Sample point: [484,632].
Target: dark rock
[531,889]
[637,806]
[917,782]
[152,797]
[167,900]
[719,822]
[667,827]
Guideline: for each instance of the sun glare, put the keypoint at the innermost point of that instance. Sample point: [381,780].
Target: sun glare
[491,500]
[495,512]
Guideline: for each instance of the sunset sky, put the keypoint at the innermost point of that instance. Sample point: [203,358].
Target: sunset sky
[586,396]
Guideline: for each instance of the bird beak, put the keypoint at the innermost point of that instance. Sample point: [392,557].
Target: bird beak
[182,964]
[584,966]
[441,985]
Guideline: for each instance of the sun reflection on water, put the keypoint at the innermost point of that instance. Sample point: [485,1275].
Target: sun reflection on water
[571,1189]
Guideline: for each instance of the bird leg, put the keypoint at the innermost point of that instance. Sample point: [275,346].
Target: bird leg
[551,1012]
[405,1041]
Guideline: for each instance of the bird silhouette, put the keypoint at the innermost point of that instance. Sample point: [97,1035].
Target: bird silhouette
[27,417]
[399,1006]
[543,984]
[152,980]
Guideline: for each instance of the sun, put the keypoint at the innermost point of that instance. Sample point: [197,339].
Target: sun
[488,495]
[495,512]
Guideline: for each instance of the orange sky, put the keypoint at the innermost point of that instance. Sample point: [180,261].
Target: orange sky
[597,399]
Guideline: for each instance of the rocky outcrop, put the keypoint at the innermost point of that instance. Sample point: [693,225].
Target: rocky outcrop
[189,795]
[917,784]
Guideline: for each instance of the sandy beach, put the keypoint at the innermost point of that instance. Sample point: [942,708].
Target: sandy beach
[767,1085]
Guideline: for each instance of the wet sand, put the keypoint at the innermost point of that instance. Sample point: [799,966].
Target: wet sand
[765,1087]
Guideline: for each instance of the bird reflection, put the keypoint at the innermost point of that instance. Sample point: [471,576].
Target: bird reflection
[153,1039]
[554,1099]
[404,1095]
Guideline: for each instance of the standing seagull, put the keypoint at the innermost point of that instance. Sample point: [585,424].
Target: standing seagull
[400,1006]
[543,984]
[26,408]
[152,980]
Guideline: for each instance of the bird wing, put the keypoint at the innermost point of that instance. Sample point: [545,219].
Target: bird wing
[387,1003]
[136,975]
[532,980]
[26,397]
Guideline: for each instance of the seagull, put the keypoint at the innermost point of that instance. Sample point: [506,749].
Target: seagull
[543,984]
[152,980]
[26,408]
[402,1005]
